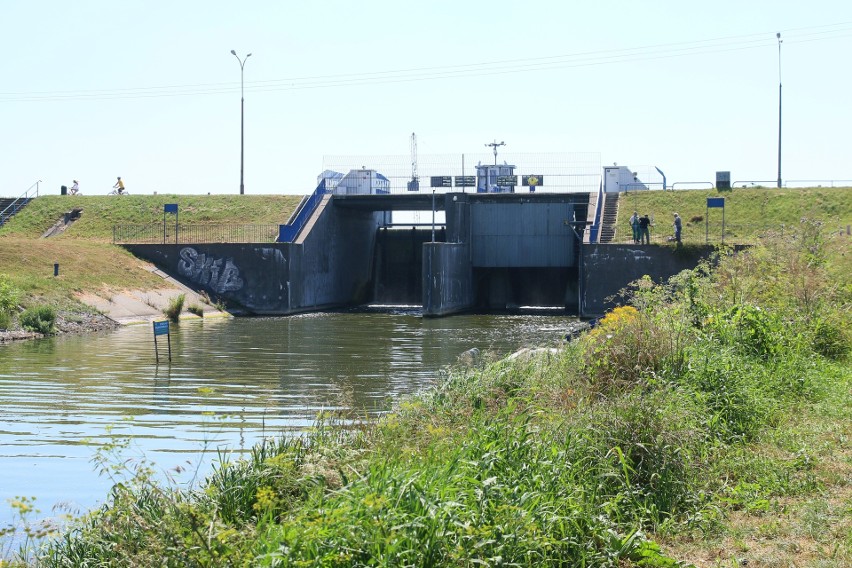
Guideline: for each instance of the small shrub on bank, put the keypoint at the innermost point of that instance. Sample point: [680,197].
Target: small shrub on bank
[41,319]
[174,308]
[195,309]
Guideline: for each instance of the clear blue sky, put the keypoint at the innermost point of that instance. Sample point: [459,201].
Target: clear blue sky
[149,90]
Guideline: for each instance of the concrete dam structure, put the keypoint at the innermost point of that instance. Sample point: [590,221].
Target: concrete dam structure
[494,252]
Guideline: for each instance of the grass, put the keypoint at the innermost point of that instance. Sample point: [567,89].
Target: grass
[87,261]
[101,213]
[702,424]
[748,212]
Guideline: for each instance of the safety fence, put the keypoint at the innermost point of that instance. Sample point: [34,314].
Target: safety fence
[160,233]
[552,172]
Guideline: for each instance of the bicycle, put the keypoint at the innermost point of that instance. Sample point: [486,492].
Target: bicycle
[118,192]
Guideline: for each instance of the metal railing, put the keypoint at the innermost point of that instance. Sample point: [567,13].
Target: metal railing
[288,232]
[15,205]
[159,233]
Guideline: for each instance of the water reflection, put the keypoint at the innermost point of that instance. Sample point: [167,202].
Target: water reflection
[230,382]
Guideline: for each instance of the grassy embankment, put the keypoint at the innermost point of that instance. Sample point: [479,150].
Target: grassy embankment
[708,422]
[88,260]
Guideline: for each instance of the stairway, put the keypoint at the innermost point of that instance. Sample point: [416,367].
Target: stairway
[609,221]
[9,206]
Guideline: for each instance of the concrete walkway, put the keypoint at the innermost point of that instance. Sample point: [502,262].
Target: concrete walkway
[141,306]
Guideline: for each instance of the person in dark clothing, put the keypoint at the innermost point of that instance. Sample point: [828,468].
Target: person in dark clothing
[644,230]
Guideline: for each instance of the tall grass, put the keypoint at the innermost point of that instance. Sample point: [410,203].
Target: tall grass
[643,430]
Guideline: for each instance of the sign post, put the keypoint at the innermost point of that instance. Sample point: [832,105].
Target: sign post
[714,202]
[170,208]
[162,328]
[532,182]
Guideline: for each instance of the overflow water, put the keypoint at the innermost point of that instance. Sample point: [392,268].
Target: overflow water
[231,382]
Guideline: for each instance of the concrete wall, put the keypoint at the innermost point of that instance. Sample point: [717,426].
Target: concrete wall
[255,277]
[447,279]
[608,268]
[331,266]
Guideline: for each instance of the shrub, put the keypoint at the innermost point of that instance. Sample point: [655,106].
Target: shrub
[174,308]
[41,319]
[831,339]
[625,346]
[5,320]
[9,295]
[196,310]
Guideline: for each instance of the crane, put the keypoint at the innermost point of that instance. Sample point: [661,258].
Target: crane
[414,184]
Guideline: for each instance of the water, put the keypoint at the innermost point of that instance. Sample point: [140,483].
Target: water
[230,383]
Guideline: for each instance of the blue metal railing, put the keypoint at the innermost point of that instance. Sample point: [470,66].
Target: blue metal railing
[288,232]
[18,203]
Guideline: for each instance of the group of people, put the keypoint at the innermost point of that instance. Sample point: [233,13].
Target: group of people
[117,189]
[642,228]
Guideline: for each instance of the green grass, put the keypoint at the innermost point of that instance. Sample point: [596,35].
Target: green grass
[748,212]
[101,213]
[703,423]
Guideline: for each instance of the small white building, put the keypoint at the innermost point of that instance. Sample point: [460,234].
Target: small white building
[357,182]
[620,178]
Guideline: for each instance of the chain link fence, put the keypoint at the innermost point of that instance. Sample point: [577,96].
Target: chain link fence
[158,233]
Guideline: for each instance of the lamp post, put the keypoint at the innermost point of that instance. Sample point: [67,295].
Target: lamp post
[778,37]
[242,117]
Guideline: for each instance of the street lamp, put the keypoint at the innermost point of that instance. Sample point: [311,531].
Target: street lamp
[778,37]
[242,117]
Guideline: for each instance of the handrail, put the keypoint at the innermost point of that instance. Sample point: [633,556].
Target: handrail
[18,202]
[288,232]
[754,181]
[710,184]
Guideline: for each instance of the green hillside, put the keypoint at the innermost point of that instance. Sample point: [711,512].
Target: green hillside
[748,212]
[101,213]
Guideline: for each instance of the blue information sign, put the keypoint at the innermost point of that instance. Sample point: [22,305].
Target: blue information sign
[161,328]
[716,202]
[170,208]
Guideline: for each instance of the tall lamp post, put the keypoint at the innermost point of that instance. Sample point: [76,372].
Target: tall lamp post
[778,37]
[242,117]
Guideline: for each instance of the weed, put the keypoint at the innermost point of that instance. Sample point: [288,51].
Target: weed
[196,310]
[41,319]
[175,307]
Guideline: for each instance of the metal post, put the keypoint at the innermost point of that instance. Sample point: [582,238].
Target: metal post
[242,117]
[778,36]
[433,214]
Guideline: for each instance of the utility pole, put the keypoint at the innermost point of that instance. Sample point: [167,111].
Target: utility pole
[778,37]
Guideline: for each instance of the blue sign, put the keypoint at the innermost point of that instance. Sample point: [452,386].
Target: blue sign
[716,202]
[170,208]
[161,328]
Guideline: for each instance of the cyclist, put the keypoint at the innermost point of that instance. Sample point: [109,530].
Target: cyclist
[119,186]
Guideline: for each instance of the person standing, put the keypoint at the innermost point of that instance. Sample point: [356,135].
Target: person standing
[644,229]
[634,224]
[678,225]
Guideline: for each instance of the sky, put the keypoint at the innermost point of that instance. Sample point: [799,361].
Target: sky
[149,90]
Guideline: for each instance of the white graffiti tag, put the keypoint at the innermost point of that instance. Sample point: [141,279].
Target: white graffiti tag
[219,274]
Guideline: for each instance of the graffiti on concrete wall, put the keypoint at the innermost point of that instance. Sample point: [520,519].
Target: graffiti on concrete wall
[218,274]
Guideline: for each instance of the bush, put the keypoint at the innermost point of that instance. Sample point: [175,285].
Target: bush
[196,310]
[41,319]
[5,320]
[9,295]
[831,339]
[175,307]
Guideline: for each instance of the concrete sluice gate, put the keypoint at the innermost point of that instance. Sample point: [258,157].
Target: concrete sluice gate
[493,252]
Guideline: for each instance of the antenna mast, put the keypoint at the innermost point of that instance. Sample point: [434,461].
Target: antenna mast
[494,145]
[414,184]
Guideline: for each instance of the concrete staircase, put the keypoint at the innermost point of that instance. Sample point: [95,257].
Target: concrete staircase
[9,206]
[609,218]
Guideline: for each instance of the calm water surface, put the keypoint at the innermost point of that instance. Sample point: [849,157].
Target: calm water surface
[230,383]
